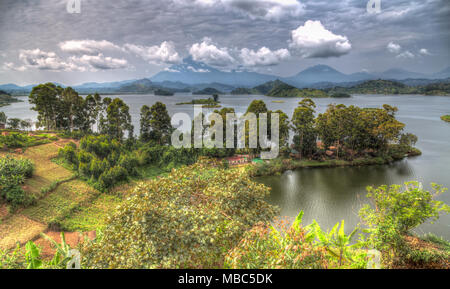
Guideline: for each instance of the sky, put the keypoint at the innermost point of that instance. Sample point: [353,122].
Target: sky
[113,40]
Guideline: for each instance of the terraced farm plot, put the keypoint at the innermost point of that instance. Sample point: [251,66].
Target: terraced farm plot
[18,228]
[60,203]
[92,216]
[46,172]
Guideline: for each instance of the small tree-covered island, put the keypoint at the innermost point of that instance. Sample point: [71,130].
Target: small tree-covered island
[87,171]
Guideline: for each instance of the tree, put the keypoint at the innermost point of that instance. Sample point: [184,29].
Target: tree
[145,132]
[72,105]
[45,98]
[216,97]
[14,123]
[303,126]
[118,119]
[94,107]
[3,117]
[25,124]
[160,124]
[284,126]
[395,211]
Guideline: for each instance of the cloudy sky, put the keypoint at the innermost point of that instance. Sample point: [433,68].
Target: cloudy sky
[118,40]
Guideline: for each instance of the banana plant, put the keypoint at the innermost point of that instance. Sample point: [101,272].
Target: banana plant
[63,251]
[336,242]
[33,256]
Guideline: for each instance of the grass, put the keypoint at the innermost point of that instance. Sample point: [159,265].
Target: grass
[59,204]
[91,217]
[446,118]
[18,228]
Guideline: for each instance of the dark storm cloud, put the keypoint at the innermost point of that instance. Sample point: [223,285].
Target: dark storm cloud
[231,24]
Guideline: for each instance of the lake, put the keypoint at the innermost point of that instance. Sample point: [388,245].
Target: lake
[332,194]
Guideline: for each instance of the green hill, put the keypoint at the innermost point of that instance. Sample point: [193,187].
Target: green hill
[207,91]
[282,89]
[163,92]
[6,98]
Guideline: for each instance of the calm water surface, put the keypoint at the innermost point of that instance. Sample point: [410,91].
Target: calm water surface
[332,194]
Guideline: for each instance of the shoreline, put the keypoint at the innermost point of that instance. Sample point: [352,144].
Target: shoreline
[280,165]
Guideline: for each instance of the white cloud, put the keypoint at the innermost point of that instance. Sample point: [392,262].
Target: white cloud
[313,40]
[87,46]
[255,9]
[163,54]
[424,51]
[12,66]
[263,57]
[393,47]
[405,54]
[100,62]
[209,53]
[199,70]
[42,60]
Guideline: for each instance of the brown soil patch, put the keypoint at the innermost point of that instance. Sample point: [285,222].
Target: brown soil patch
[18,229]
[72,239]
[3,212]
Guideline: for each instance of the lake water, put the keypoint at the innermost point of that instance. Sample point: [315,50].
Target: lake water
[332,194]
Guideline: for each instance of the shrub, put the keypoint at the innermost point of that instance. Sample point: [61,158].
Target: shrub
[111,177]
[13,173]
[397,210]
[189,219]
[296,247]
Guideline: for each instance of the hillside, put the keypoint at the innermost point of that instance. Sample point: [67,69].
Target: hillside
[207,91]
[392,87]
[6,98]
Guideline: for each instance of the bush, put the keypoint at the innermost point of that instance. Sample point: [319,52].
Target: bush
[13,173]
[189,219]
[396,212]
[111,177]
[296,247]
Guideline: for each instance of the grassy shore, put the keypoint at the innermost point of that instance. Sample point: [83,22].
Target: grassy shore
[280,165]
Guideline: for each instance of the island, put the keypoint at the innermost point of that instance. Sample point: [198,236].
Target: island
[6,98]
[205,103]
[163,92]
[207,91]
[446,118]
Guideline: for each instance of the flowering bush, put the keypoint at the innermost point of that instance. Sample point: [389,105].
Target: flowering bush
[189,219]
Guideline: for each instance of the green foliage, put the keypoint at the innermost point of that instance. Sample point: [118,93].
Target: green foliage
[117,120]
[446,118]
[33,256]
[22,140]
[156,124]
[163,92]
[397,210]
[102,160]
[13,173]
[189,219]
[296,247]
[12,259]
[207,91]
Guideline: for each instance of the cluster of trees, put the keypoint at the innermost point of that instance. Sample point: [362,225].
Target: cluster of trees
[351,130]
[13,173]
[64,109]
[15,123]
[100,159]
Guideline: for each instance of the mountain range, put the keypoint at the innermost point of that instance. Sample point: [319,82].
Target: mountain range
[193,76]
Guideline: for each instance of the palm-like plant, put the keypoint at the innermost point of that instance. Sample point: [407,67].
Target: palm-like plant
[336,242]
